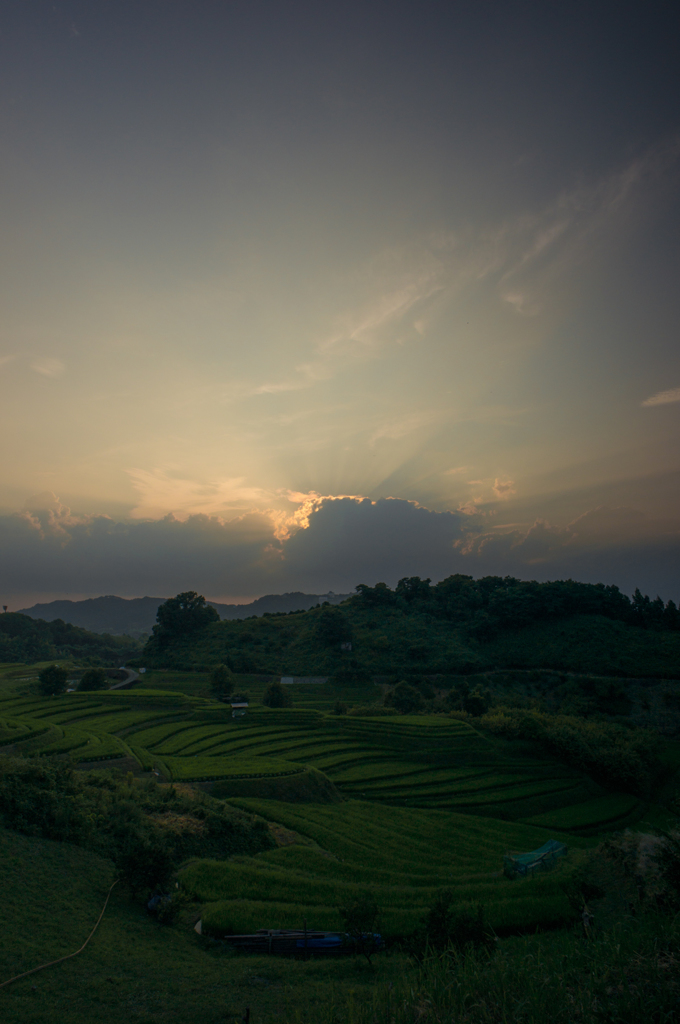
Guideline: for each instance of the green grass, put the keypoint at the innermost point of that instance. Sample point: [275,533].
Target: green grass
[600,812]
[402,841]
[135,971]
[205,768]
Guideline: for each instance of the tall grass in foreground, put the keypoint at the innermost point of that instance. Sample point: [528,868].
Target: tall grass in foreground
[627,975]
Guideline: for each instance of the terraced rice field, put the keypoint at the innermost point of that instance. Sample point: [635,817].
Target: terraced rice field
[406,855]
[408,761]
[612,810]
[427,802]
[430,762]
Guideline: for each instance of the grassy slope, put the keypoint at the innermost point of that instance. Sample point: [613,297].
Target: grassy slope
[403,856]
[135,971]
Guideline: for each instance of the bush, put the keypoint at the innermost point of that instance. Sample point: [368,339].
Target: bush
[360,918]
[405,699]
[52,680]
[144,829]
[446,927]
[275,696]
[145,862]
[619,757]
[222,682]
[94,679]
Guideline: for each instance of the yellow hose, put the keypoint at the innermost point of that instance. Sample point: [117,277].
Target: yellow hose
[68,957]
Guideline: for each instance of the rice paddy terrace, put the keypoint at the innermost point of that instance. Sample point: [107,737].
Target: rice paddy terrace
[410,803]
[417,761]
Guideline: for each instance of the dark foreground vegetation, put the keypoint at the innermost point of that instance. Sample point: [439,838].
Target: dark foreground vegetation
[145,829]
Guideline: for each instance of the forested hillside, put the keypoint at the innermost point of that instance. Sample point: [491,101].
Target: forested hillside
[458,626]
[23,639]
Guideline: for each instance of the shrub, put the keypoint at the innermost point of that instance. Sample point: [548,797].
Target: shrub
[405,699]
[94,679]
[275,696]
[52,680]
[619,757]
[145,862]
[221,682]
[446,927]
[360,917]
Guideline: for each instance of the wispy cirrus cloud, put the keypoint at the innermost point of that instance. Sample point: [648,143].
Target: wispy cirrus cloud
[522,262]
[48,367]
[663,397]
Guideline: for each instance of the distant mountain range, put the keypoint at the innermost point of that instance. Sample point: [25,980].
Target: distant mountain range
[136,616]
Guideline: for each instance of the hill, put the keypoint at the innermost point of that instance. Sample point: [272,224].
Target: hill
[24,639]
[135,616]
[460,626]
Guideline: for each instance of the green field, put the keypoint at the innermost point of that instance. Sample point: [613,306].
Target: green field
[416,761]
[409,803]
[402,856]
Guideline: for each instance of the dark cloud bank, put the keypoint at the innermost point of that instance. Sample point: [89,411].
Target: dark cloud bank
[348,541]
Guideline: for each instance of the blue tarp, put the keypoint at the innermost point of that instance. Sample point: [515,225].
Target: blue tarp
[521,865]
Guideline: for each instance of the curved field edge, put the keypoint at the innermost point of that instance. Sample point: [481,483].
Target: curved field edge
[402,857]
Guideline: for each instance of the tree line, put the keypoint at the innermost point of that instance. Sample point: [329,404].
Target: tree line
[490,603]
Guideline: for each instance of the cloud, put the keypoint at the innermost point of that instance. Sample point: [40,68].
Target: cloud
[160,490]
[663,397]
[522,262]
[521,304]
[48,367]
[504,489]
[321,543]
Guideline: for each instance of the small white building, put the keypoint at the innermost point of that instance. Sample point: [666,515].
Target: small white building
[239,708]
[296,680]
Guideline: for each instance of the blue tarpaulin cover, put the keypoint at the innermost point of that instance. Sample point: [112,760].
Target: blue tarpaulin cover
[521,865]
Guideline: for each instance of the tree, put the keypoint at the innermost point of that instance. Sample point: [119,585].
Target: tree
[53,680]
[332,627]
[360,918]
[222,682]
[445,925]
[145,862]
[412,588]
[405,699]
[477,702]
[94,679]
[276,697]
[182,615]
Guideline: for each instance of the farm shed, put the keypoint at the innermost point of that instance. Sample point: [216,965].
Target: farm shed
[238,708]
[523,865]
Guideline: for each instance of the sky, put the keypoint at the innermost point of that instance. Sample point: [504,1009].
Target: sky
[298,296]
